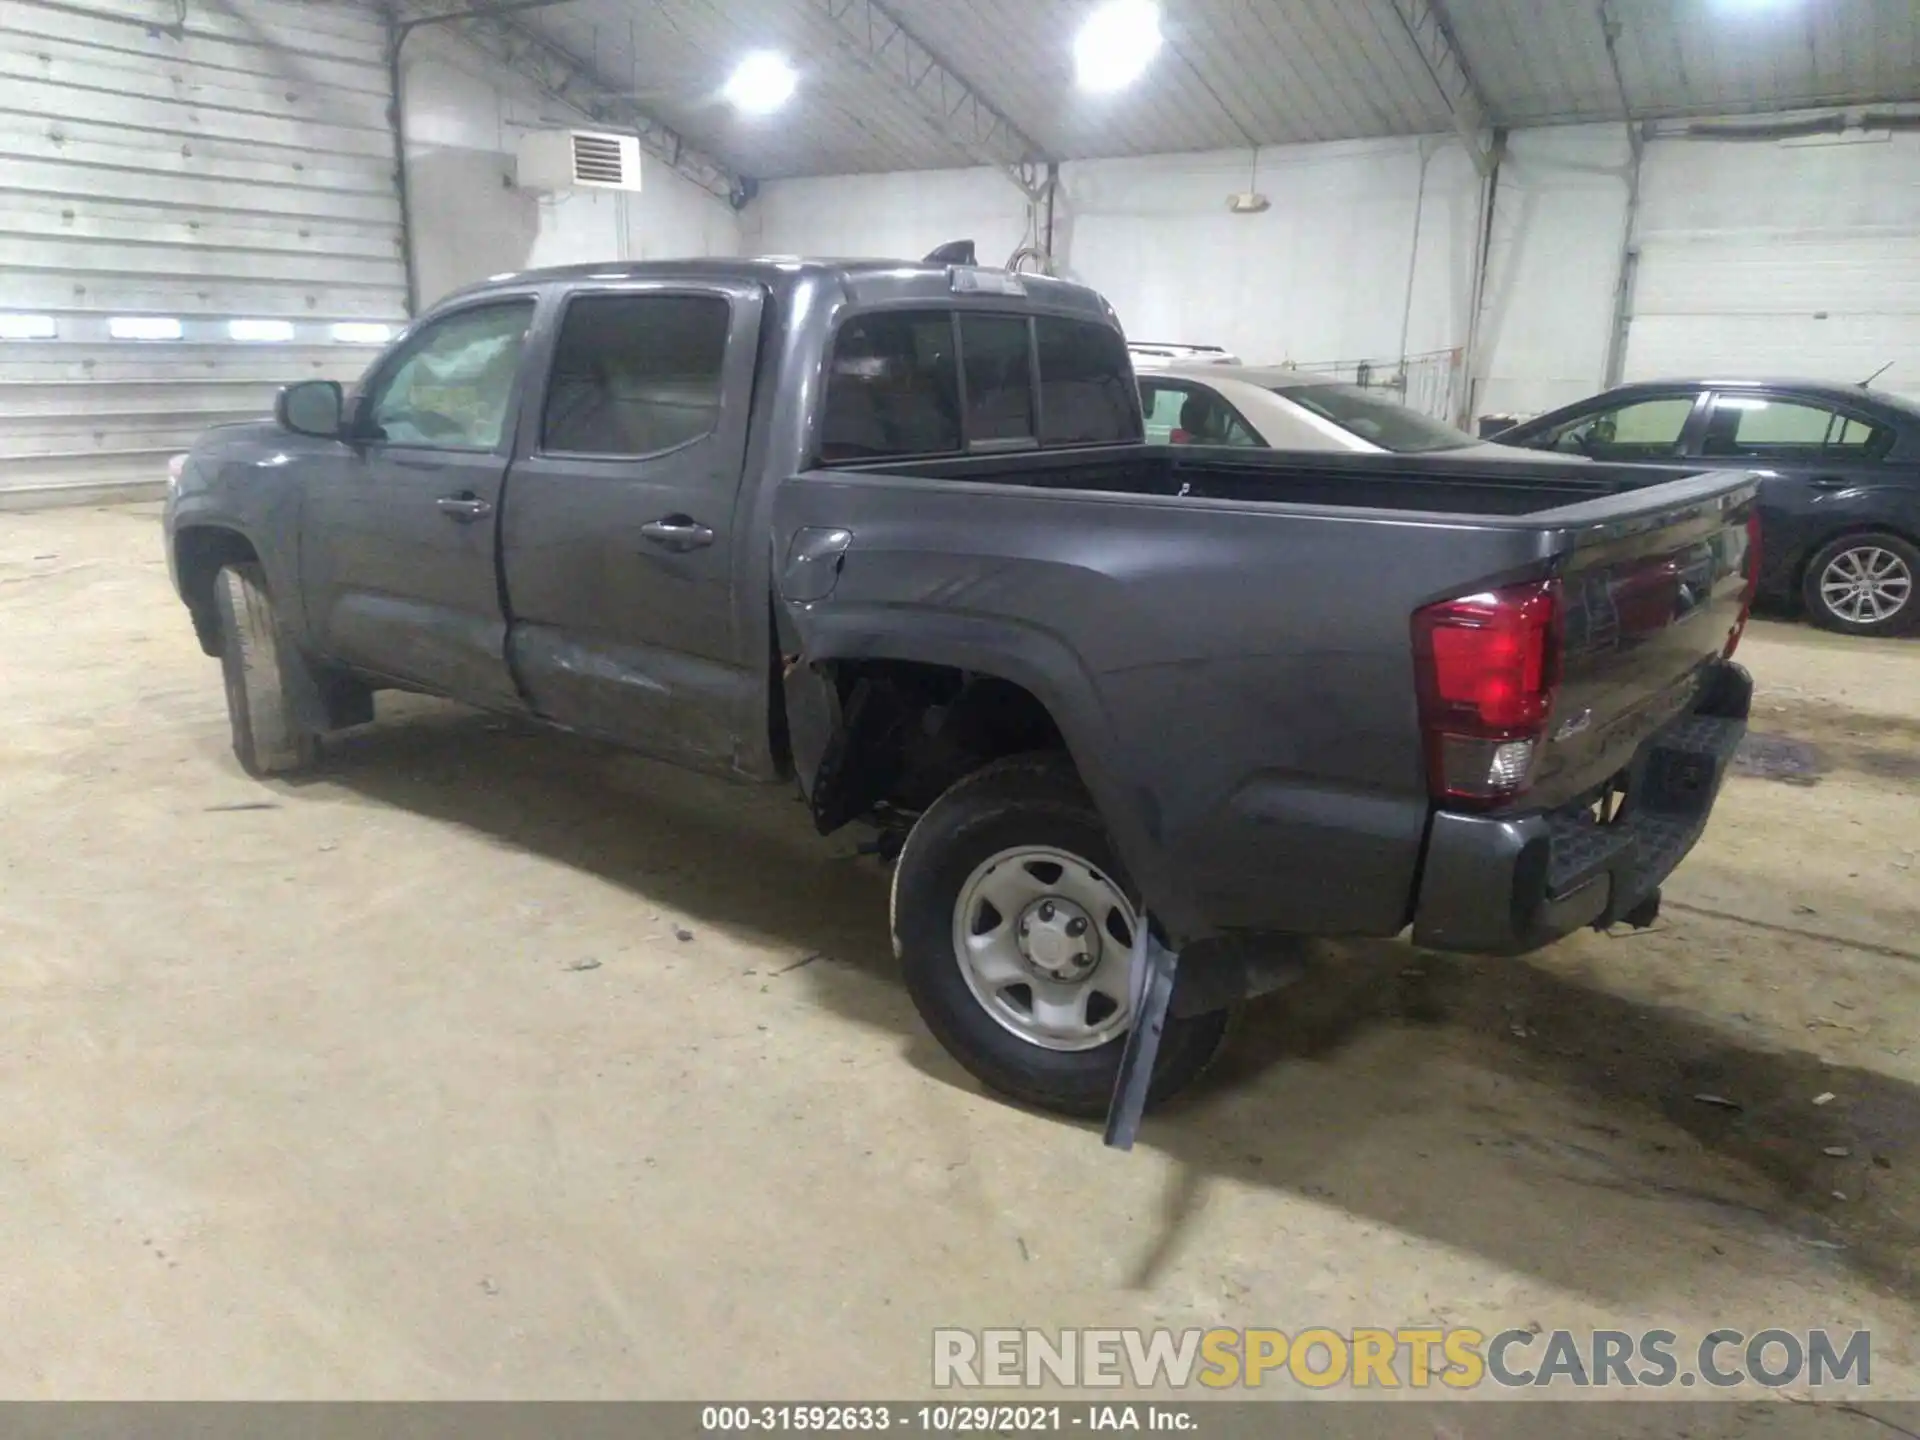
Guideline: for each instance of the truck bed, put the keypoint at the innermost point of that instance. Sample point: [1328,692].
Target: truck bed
[1451,484]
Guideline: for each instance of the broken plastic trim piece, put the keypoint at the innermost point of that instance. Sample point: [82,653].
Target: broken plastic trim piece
[1154,968]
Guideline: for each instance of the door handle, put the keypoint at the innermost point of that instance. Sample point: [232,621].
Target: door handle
[1831,482]
[464,508]
[678,533]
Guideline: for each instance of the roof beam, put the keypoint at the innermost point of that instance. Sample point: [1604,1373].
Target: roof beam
[560,75]
[878,42]
[1431,32]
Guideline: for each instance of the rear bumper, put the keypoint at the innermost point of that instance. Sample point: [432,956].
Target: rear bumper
[1504,885]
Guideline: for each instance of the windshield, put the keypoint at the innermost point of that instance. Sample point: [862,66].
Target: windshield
[1387,423]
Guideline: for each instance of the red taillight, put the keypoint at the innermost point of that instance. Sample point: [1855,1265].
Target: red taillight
[1752,591]
[1488,665]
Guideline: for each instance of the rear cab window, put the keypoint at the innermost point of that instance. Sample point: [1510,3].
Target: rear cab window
[950,381]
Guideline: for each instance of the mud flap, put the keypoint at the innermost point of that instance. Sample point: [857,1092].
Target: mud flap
[322,700]
[1153,970]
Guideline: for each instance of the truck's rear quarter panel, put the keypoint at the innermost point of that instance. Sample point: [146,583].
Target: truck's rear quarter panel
[1235,681]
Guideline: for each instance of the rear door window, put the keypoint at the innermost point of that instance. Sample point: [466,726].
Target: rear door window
[1162,405]
[636,374]
[1756,427]
[1194,415]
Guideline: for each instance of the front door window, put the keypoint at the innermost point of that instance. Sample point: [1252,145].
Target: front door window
[1637,430]
[453,385]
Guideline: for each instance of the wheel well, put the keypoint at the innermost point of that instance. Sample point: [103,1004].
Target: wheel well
[199,553]
[909,730]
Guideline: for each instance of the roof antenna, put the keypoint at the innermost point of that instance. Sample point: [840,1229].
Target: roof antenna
[1878,373]
[954,252]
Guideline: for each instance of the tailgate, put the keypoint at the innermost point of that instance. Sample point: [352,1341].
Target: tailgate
[1646,602]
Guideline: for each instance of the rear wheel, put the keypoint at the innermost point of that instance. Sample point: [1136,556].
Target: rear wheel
[1015,924]
[1864,585]
[257,662]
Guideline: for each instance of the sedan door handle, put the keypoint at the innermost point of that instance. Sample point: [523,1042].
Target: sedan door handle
[678,533]
[464,508]
[1831,482]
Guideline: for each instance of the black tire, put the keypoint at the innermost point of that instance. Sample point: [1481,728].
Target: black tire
[1902,621]
[257,661]
[1026,800]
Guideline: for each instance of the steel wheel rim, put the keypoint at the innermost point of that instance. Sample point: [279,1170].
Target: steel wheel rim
[1866,585]
[1015,974]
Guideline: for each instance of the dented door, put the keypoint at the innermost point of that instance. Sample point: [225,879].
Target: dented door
[618,540]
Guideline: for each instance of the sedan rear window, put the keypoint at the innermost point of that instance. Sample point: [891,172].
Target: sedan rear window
[1388,424]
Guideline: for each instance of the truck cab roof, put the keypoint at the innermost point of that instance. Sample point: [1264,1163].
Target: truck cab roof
[865,281]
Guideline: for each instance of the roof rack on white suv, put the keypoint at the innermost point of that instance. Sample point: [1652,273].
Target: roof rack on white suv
[1151,354]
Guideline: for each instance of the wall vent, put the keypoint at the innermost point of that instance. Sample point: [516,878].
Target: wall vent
[559,160]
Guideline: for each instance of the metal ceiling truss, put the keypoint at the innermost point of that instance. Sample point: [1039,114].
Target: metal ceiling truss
[1427,26]
[560,75]
[877,41]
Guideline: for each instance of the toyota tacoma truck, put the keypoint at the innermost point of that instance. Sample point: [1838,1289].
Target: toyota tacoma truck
[1129,717]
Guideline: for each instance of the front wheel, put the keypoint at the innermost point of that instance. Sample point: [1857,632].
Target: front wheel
[258,664]
[1014,924]
[1864,585]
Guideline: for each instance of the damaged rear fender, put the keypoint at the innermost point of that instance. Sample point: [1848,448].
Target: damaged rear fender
[830,722]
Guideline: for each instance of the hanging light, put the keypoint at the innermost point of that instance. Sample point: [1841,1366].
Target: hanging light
[760,84]
[1116,44]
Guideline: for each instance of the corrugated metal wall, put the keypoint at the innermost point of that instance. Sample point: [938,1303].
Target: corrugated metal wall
[1821,278]
[223,166]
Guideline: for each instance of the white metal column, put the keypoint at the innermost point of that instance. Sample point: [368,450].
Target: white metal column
[216,175]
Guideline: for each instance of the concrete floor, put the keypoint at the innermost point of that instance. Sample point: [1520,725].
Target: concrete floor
[402,1083]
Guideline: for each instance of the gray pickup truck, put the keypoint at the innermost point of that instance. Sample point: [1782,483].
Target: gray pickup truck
[1128,717]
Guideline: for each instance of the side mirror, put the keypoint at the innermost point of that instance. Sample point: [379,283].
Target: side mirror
[312,407]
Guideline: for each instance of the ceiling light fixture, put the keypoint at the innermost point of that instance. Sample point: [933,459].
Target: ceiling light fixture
[760,84]
[1116,44]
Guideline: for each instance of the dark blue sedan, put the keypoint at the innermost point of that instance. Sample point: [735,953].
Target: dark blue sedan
[1840,515]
